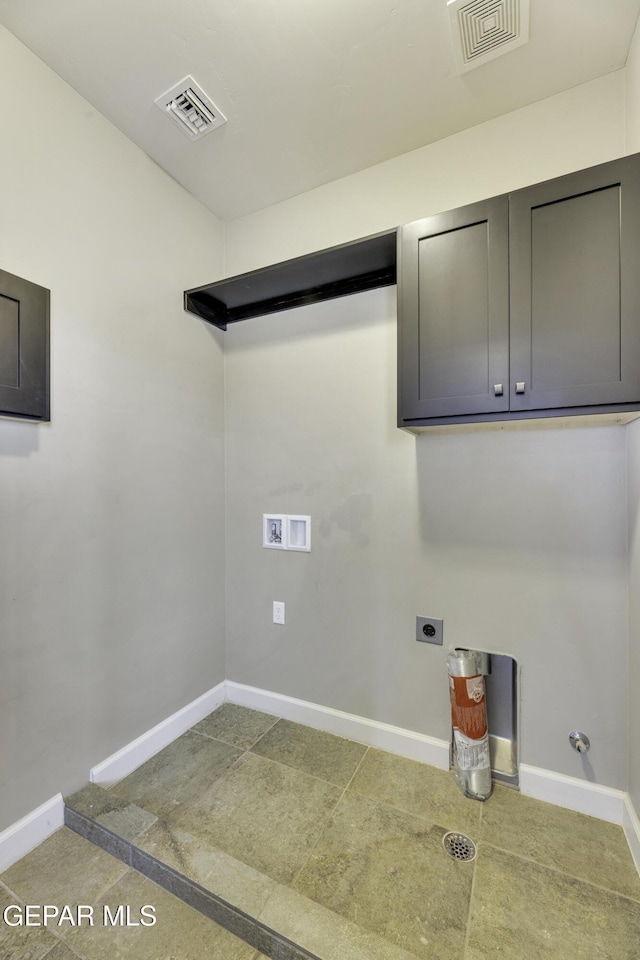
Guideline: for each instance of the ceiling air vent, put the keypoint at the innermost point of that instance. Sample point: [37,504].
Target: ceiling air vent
[191,109]
[485,29]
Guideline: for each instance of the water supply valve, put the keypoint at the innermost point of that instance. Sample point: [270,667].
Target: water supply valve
[579,741]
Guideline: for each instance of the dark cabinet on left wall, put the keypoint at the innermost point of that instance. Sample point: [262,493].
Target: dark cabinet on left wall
[24,348]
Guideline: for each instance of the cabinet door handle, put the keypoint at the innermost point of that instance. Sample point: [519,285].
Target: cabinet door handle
[497,389]
[520,386]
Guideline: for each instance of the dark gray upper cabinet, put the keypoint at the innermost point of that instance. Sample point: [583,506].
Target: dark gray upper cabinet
[24,348]
[453,307]
[575,289]
[525,305]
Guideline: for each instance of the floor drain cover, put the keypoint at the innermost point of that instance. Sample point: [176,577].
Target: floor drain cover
[458,846]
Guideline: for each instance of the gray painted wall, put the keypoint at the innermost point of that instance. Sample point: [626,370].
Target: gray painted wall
[111,551]
[632,120]
[634,612]
[517,539]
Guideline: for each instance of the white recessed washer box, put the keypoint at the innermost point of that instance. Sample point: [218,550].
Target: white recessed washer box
[281,531]
[274,531]
[299,533]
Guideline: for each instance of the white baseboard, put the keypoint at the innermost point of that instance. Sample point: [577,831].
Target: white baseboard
[631,824]
[605,803]
[593,799]
[131,756]
[406,743]
[21,837]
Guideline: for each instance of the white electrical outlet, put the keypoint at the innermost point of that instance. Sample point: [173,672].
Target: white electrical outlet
[278,611]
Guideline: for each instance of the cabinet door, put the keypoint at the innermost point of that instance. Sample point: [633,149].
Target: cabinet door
[24,348]
[575,289]
[453,303]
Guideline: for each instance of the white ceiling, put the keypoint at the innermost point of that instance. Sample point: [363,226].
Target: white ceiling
[313,89]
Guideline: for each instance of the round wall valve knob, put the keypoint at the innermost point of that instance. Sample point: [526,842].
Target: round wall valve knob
[579,741]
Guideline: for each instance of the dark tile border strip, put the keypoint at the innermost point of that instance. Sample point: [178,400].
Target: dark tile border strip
[256,934]
[96,833]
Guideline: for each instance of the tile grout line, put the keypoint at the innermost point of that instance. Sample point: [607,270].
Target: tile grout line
[412,813]
[287,766]
[244,751]
[335,807]
[104,893]
[418,816]
[469,916]
[563,873]
[72,950]
[10,891]
[242,754]
[207,736]
[276,721]
[473,887]
[210,736]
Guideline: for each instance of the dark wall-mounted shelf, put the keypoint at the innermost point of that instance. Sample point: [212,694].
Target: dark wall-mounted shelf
[336,272]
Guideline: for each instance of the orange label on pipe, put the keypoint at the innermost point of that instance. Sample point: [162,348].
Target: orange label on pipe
[468,712]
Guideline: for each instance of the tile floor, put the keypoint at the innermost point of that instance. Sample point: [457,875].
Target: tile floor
[338,847]
[66,869]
